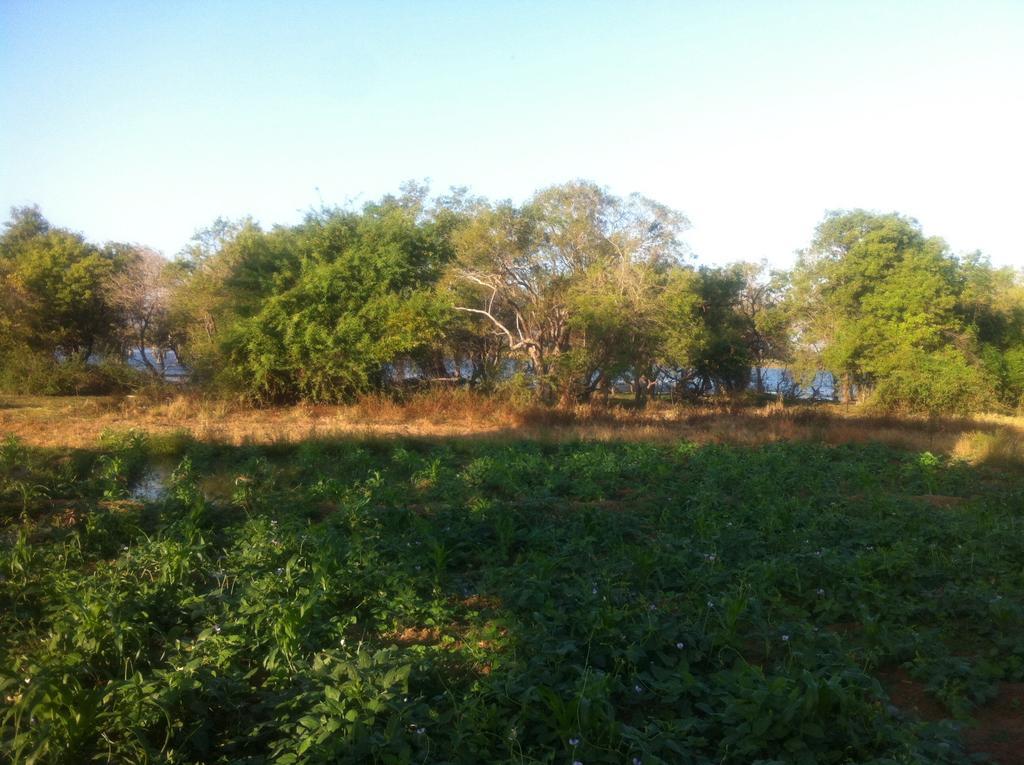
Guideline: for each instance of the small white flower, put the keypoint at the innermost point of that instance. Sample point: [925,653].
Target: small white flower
[680,645]
[216,628]
[711,604]
[593,591]
[420,731]
[638,688]
[785,638]
[820,591]
[574,741]
[637,761]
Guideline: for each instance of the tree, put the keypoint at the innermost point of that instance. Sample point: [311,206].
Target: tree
[874,295]
[321,311]
[991,305]
[55,286]
[616,330]
[225,275]
[705,345]
[766,326]
[140,294]
[533,271]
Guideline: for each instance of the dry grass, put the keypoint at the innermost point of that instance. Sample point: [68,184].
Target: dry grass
[78,422]
[1002,446]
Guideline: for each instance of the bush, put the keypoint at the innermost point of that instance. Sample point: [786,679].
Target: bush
[1013,385]
[28,373]
[939,382]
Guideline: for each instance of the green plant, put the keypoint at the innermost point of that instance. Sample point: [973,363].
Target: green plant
[504,602]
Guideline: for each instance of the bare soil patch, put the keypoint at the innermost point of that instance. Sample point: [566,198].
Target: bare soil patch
[998,728]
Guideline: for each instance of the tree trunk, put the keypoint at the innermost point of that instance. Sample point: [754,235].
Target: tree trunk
[540,374]
[640,390]
[846,395]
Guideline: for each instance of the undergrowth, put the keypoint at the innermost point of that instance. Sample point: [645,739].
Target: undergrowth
[472,601]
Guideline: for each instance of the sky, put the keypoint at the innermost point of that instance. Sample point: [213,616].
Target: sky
[144,121]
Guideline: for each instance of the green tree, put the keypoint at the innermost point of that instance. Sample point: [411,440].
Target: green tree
[875,297]
[320,311]
[224,277]
[991,305]
[55,285]
[705,342]
[766,322]
[566,278]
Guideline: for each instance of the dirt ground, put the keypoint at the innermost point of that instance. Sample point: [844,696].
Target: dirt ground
[995,730]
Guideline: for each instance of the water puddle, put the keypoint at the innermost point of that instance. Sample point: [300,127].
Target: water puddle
[152,487]
[155,483]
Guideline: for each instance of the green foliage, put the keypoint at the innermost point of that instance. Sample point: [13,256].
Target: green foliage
[56,311]
[569,282]
[58,283]
[27,372]
[319,311]
[991,303]
[615,327]
[486,602]
[939,382]
[886,309]
[577,291]
[705,334]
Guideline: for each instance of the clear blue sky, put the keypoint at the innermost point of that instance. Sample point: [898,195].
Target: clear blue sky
[143,121]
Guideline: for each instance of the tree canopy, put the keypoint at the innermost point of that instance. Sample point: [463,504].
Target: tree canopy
[578,290]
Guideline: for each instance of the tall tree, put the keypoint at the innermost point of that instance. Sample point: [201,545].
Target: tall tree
[526,264]
[766,325]
[322,310]
[877,300]
[705,346]
[56,284]
[991,305]
[140,294]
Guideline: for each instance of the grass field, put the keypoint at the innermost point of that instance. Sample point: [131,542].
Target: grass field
[516,595]
[79,421]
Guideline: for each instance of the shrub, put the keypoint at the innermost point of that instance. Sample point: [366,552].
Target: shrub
[940,382]
[27,373]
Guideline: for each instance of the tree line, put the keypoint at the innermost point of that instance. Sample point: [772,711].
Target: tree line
[568,296]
